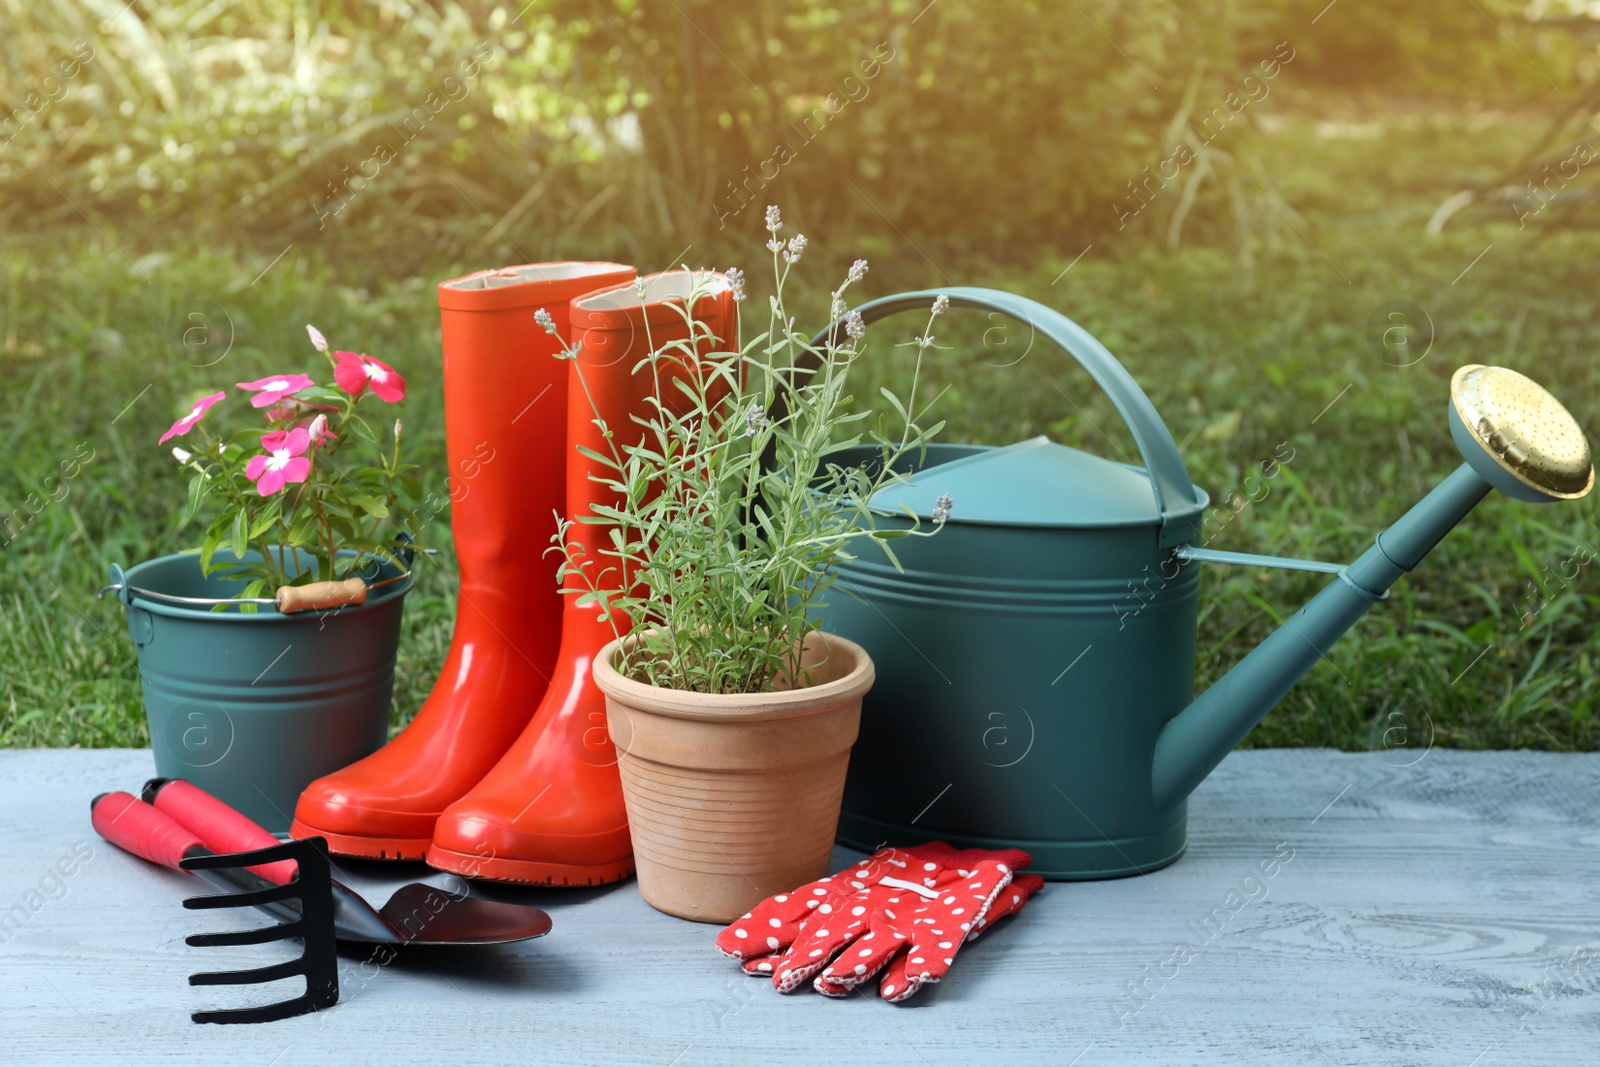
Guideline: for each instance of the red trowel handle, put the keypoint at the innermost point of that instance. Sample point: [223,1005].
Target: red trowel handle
[220,828]
[136,827]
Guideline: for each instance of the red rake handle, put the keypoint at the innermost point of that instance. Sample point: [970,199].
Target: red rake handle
[136,827]
[221,828]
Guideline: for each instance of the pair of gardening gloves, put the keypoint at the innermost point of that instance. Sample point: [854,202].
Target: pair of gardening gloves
[903,911]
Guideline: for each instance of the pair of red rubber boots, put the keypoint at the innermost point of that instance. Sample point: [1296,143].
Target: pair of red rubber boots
[507,772]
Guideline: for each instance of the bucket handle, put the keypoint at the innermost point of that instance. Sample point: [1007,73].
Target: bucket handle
[289,599]
[1169,478]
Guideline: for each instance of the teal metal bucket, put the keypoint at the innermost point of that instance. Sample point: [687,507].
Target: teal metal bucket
[251,707]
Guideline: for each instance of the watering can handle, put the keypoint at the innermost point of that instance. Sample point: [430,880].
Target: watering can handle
[1174,492]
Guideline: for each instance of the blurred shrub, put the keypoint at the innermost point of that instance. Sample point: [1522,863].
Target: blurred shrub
[1014,123]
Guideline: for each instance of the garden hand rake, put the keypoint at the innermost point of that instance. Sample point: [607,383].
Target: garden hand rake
[131,824]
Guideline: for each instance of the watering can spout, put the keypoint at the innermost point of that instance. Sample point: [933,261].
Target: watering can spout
[1514,436]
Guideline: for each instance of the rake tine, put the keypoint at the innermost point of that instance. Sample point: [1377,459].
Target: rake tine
[288,850]
[259,936]
[247,899]
[269,1013]
[270,973]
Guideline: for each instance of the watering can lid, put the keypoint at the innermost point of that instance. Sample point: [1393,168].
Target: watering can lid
[1031,483]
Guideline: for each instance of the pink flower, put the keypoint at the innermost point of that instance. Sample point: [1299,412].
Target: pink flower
[283,462]
[289,408]
[282,411]
[189,421]
[353,372]
[315,428]
[273,389]
[319,433]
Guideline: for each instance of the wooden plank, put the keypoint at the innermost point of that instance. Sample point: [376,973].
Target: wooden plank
[1443,912]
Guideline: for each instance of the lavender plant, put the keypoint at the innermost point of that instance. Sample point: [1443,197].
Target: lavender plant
[730,514]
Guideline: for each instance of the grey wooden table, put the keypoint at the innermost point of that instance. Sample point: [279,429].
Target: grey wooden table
[1445,912]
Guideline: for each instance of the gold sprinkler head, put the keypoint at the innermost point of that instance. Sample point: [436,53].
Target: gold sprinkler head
[1517,436]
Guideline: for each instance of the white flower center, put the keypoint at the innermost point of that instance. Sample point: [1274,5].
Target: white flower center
[375,372]
[281,383]
[279,460]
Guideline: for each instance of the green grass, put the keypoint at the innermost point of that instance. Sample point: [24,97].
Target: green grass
[1240,357]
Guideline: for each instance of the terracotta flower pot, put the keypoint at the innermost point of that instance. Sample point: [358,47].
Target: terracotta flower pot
[733,798]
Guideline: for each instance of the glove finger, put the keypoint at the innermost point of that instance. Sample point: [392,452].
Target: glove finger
[925,961]
[861,959]
[941,926]
[757,934]
[844,917]
[944,925]
[904,978]
[964,900]
[772,925]
[1009,902]
[814,948]
[761,966]
[836,921]
[967,860]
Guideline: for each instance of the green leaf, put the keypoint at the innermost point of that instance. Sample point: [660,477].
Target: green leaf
[197,494]
[322,394]
[596,456]
[362,429]
[215,534]
[241,533]
[892,399]
[254,589]
[301,530]
[266,520]
[370,504]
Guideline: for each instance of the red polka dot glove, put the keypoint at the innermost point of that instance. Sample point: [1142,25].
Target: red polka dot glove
[908,910]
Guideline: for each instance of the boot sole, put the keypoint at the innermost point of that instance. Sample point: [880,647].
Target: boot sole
[529,872]
[366,848]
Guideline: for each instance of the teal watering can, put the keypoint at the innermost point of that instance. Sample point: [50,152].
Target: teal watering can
[1035,659]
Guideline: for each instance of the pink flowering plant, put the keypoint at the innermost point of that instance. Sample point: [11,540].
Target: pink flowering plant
[319,473]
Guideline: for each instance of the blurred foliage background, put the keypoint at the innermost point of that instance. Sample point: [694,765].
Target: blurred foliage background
[999,127]
[1237,196]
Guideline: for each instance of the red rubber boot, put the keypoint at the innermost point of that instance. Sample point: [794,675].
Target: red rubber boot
[551,811]
[505,433]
